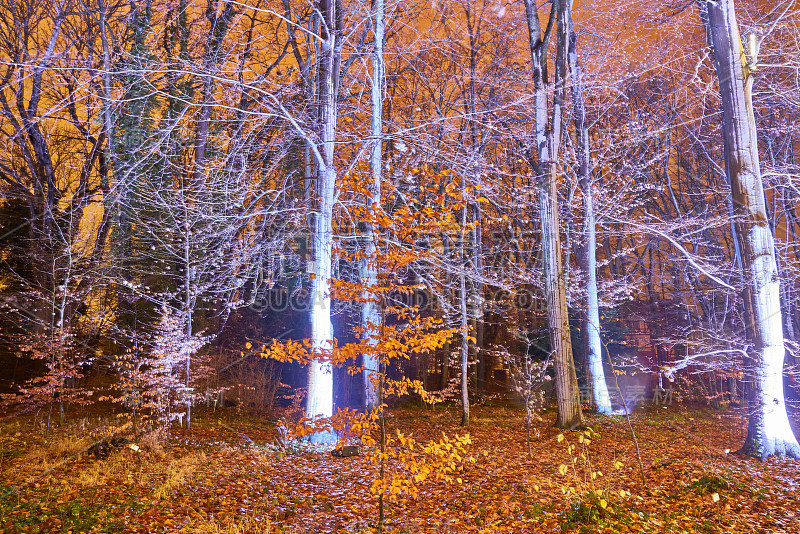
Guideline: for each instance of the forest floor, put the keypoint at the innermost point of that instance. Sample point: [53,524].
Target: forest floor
[227,475]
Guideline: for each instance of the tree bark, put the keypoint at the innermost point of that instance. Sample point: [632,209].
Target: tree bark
[370,311]
[478,312]
[462,278]
[445,377]
[597,378]
[548,140]
[320,385]
[768,430]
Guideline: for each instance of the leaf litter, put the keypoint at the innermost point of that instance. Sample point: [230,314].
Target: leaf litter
[236,476]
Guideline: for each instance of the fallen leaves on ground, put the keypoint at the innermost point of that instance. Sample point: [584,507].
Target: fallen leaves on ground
[231,477]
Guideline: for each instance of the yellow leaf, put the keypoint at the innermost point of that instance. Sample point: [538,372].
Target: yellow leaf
[603,504]
[562,469]
[248,345]
[715,497]
[560,438]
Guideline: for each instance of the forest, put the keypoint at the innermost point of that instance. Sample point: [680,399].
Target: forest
[399,266]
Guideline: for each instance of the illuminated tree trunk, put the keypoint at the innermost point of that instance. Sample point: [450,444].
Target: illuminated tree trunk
[370,311]
[548,140]
[768,430]
[320,381]
[602,400]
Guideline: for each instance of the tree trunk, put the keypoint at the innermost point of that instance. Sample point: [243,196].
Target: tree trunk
[320,385]
[188,302]
[768,430]
[464,347]
[548,140]
[597,378]
[445,377]
[370,312]
[478,312]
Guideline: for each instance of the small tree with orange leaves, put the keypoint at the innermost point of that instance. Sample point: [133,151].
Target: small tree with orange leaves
[406,331]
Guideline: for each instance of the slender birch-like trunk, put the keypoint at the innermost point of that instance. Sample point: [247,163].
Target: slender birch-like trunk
[189,303]
[370,311]
[462,297]
[548,141]
[768,429]
[477,264]
[445,377]
[108,119]
[602,400]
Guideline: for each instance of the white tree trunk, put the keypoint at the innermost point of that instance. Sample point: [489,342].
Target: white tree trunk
[320,387]
[602,400]
[370,311]
[769,432]
[320,383]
